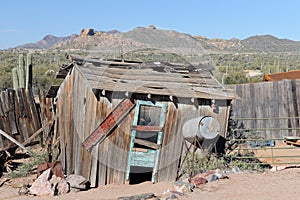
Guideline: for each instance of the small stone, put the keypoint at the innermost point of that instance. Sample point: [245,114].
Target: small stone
[23,190]
[183,187]
[221,175]
[277,168]
[235,170]
[173,196]
[212,178]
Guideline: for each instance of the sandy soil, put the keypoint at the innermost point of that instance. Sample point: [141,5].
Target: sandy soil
[269,185]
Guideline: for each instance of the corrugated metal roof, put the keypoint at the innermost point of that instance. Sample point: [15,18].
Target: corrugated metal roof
[295,74]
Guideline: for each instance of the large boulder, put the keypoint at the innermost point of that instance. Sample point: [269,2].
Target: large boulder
[78,182]
[87,32]
[49,184]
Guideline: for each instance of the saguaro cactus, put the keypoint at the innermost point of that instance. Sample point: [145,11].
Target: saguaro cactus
[15,78]
[21,71]
[22,74]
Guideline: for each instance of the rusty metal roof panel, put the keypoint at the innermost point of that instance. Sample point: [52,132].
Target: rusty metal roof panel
[295,74]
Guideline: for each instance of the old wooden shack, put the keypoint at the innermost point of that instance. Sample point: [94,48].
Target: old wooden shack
[116,119]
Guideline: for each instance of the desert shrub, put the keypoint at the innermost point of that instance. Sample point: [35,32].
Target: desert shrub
[28,168]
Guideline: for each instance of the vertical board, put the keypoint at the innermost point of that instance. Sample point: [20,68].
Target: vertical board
[68,125]
[103,109]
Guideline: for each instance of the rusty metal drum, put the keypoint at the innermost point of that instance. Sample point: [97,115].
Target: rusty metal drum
[204,127]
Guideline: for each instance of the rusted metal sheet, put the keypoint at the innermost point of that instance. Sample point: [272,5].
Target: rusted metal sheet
[109,123]
[294,74]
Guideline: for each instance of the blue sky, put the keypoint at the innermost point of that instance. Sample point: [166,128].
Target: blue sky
[29,21]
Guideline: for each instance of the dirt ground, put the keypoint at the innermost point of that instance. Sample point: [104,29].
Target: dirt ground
[244,185]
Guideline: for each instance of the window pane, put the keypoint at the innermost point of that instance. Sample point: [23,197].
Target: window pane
[149,115]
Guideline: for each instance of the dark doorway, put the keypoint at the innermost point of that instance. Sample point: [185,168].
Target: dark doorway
[140,175]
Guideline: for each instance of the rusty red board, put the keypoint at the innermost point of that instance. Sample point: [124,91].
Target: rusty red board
[109,123]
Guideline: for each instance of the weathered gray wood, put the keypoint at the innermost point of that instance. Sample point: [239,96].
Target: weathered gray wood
[277,100]
[297,102]
[33,113]
[103,109]
[78,89]
[14,141]
[68,100]
[146,143]
[107,162]
[38,132]
[11,113]
[60,124]
[113,78]
[45,115]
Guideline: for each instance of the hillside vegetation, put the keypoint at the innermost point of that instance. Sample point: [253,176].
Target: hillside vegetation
[45,67]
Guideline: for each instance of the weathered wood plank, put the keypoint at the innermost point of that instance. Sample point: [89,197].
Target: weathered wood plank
[283,109]
[60,123]
[146,143]
[14,141]
[276,103]
[11,113]
[78,117]
[90,104]
[33,114]
[297,102]
[68,101]
[103,109]
[147,128]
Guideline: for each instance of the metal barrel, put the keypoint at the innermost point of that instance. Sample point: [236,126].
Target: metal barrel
[204,127]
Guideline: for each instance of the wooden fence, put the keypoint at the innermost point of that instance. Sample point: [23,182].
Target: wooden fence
[269,108]
[19,116]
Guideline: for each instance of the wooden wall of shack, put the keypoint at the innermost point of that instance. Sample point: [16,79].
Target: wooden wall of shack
[79,112]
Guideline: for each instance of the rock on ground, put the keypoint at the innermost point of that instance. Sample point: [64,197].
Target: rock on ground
[49,184]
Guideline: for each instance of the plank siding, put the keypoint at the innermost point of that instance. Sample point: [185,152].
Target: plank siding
[80,111]
[103,109]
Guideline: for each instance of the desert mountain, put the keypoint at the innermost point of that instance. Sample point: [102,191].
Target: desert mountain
[47,42]
[169,40]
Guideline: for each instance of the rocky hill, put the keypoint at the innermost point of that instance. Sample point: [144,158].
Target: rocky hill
[169,40]
[269,43]
[47,42]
